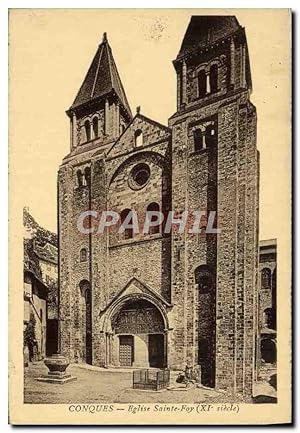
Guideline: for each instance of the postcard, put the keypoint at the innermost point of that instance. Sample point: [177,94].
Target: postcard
[150,216]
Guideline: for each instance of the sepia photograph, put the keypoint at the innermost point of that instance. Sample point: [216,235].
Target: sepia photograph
[150,203]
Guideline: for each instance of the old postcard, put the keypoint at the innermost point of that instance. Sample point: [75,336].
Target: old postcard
[150,216]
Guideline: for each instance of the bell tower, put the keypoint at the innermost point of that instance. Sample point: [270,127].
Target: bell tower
[100,111]
[213,61]
[98,115]
[215,169]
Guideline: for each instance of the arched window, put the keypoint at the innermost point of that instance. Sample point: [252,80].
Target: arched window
[87,127]
[210,136]
[83,255]
[268,318]
[268,351]
[203,278]
[84,286]
[266,278]
[125,214]
[87,175]
[153,207]
[79,178]
[95,127]
[213,78]
[198,140]
[202,230]
[201,84]
[138,137]
[88,297]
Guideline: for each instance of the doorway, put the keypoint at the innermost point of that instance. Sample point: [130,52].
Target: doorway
[156,350]
[126,350]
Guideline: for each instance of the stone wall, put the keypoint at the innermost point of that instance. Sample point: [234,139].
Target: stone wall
[232,190]
[215,327]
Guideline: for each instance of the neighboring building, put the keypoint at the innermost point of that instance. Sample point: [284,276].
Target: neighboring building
[267,307]
[35,304]
[163,299]
[40,287]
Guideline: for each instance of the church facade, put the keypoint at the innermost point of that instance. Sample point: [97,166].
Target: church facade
[161,299]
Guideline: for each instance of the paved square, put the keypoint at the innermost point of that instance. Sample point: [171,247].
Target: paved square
[105,386]
[95,385]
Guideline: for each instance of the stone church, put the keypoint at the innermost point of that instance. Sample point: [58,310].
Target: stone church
[165,299]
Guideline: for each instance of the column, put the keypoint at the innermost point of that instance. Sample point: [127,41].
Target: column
[74,133]
[106,117]
[178,91]
[232,63]
[113,119]
[183,82]
[117,122]
[71,134]
[207,83]
[243,66]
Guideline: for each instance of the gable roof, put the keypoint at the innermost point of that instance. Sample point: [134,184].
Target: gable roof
[47,252]
[31,261]
[205,30]
[101,79]
[142,117]
[137,287]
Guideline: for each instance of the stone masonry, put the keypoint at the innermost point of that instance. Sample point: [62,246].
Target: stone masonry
[165,299]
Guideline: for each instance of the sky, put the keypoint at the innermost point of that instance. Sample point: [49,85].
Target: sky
[51,51]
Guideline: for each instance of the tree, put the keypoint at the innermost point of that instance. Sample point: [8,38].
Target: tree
[29,333]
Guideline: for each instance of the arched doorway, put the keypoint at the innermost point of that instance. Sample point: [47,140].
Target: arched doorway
[268,351]
[139,331]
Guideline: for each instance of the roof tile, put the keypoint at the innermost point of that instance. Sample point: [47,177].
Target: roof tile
[101,79]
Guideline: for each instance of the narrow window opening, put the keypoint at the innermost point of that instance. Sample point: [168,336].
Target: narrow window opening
[210,136]
[199,143]
[203,279]
[87,175]
[83,255]
[153,207]
[138,135]
[79,178]
[87,128]
[128,232]
[95,127]
[266,278]
[202,83]
[213,78]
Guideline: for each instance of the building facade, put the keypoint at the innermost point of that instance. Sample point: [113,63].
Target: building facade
[40,289]
[267,307]
[162,299]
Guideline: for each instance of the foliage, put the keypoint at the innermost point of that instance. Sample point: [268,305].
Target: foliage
[29,332]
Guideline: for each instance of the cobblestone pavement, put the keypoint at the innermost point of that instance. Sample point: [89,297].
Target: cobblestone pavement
[94,385]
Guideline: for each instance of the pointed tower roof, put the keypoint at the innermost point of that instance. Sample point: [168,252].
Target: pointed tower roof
[101,79]
[205,30]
